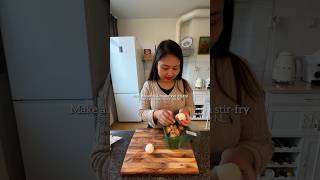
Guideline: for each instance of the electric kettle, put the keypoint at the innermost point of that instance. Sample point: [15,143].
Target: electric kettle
[284,69]
[199,83]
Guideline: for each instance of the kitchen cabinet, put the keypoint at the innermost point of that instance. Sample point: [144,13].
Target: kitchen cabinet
[202,103]
[293,114]
[310,159]
[294,119]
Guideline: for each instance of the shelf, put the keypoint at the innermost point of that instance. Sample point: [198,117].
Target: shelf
[282,166]
[287,144]
[287,150]
[198,119]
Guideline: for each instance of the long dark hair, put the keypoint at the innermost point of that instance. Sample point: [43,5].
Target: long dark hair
[244,79]
[167,47]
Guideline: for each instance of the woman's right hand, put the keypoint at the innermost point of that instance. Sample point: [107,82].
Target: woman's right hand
[164,117]
[243,159]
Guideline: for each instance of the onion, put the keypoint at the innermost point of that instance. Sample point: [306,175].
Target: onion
[149,148]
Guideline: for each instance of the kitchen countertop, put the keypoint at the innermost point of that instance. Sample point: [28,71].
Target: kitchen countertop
[299,87]
[202,89]
[118,151]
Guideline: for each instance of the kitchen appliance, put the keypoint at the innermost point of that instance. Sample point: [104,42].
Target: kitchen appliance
[127,75]
[55,70]
[284,68]
[199,83]
[311,68]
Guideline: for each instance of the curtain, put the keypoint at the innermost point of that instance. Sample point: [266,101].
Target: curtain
[113,26]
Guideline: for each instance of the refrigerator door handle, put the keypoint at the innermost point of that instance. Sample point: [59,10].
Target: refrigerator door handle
[120,49]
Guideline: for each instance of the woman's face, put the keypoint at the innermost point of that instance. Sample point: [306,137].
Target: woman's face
[216,19]
[168,68]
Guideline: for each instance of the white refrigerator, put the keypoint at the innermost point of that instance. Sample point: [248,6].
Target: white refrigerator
[127,74]
[57,63]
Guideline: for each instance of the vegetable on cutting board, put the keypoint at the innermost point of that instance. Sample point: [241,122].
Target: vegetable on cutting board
[149,148]
[175,130]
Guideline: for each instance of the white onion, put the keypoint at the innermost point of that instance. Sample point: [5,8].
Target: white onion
[149,148]
[181,116]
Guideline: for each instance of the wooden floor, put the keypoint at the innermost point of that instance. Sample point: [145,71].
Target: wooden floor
[195,125]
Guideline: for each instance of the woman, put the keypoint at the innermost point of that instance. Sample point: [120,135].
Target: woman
[166,93]
[237,136]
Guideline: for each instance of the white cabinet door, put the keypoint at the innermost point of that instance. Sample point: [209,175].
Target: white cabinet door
[202,101]
[283,118]
[199,99]
[298,114]
[294,119]
[308,162]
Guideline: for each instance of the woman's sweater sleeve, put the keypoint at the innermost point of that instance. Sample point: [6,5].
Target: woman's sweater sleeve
[190,103]
[255,135]
[145,111]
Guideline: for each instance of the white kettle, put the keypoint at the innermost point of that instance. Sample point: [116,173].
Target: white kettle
[284,68]
[199,83]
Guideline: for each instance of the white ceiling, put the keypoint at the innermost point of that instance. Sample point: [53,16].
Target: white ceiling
[125,9]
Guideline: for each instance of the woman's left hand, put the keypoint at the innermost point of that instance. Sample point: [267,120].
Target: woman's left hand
[243,159]
[187,121]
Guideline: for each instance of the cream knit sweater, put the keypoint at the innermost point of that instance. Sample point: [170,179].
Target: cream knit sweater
[249,131]
[153,98]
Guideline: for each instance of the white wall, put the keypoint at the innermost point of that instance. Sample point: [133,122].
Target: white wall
[196,65]
[251,33]
[256,40]
[150,32]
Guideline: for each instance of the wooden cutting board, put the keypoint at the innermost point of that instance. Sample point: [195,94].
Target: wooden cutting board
[161,161]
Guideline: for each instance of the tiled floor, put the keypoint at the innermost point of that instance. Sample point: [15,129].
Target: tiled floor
[195,125]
